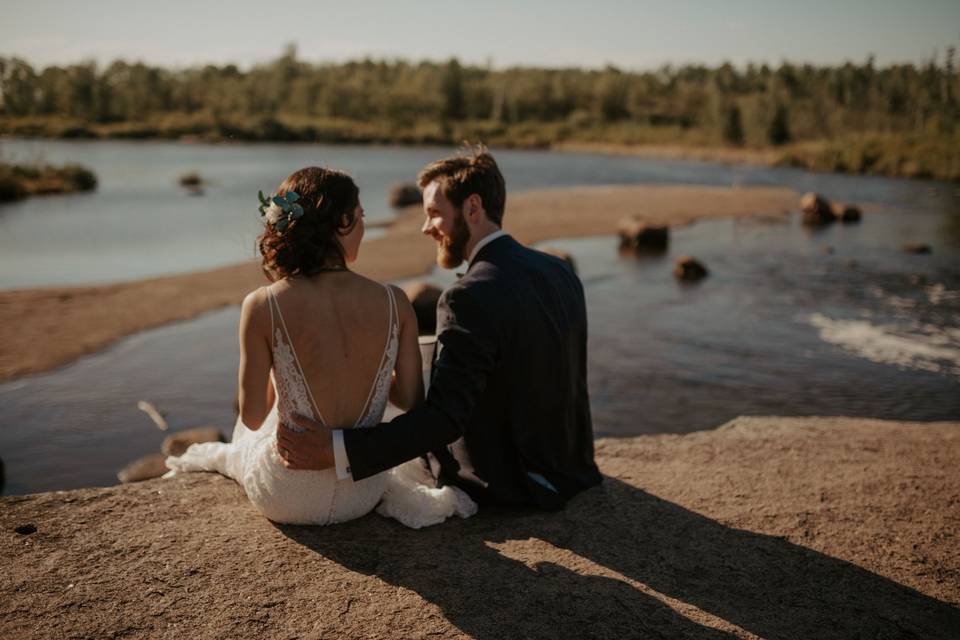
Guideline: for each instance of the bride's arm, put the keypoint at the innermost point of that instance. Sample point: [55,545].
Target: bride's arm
[406,392]
[256,389]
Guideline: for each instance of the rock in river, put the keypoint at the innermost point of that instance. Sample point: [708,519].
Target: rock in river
[640,236]
[145,468]
[918,248]
[404,195]
[689,269]
[176,443]
[563,255]
[847,213]
[817,210]
[424,297]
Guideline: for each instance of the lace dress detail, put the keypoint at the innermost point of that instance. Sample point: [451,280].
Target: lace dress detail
[318,497]
[287,381]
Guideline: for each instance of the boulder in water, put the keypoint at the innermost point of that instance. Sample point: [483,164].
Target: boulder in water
[191,180]
[145,468]
[176,443]
[918,248]
[563,255]
[817,210]
[640,236]
[424,298]
[405,195]
[689,269]
[847,213]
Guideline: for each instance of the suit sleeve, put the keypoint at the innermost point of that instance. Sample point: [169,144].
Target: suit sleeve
[468,350]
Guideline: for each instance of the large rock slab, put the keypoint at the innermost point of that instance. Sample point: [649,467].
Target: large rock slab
[766,527]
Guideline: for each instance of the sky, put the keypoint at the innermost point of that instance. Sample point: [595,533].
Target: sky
[631,35]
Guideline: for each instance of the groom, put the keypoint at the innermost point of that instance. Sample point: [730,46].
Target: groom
[507,417]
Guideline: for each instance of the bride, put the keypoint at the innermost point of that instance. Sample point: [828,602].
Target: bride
[324,342]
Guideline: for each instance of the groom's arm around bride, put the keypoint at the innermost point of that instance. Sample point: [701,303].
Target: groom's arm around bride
[507,415]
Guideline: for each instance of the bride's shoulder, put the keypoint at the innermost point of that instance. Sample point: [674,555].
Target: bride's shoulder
[404,307]
[256,298]
[255,306]
[405,312]
[399,295]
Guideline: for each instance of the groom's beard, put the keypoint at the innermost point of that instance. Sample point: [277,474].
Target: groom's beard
[452,249]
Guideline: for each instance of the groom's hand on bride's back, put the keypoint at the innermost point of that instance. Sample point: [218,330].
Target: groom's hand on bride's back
[311,449]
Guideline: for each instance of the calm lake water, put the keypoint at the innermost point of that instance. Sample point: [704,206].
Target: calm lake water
[789,322]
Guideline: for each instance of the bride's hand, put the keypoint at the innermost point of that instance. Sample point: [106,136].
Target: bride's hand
[311,449]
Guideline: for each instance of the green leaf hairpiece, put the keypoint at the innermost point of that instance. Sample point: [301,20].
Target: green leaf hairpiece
[280,211]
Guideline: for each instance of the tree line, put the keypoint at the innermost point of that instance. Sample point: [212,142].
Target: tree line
[400,101]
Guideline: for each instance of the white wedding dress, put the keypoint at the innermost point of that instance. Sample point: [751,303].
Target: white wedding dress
[317,497]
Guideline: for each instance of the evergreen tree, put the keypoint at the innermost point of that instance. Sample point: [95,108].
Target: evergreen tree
[453,91]
[778,133]
[733,126]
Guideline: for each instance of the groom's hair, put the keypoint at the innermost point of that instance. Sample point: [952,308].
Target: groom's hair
[474,171]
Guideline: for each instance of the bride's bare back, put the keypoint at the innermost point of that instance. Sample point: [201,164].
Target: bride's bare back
[335,341]
[338,324]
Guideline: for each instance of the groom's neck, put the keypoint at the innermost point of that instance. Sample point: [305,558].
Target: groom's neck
[478,234]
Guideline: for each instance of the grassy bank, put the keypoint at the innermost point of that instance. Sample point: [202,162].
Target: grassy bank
[896,155]
[907,156]
[19,181]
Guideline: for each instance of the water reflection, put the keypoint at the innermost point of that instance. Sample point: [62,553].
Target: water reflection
[950,230]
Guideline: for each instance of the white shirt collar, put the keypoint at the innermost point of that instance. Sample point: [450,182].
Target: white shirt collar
[484,241]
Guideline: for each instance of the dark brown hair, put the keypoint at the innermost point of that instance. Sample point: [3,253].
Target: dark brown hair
[311,244]
[466,174]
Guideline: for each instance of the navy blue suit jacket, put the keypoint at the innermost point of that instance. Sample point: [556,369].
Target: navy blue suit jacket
[508,393]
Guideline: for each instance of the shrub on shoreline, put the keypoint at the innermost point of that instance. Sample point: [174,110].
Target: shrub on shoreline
[19,181]
[935,158]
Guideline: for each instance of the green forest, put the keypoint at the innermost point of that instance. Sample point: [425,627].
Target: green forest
[894,120]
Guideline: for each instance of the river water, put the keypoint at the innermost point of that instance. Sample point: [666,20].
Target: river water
[790,322]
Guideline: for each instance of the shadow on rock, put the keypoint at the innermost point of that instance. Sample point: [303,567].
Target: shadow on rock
[605,566]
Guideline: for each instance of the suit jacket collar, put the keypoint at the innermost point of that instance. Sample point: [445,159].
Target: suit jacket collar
[490,246]
[487,239]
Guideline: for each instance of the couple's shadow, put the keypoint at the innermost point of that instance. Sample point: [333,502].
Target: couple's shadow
[506,574]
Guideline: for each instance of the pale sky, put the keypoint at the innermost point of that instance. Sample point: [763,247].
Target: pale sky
[631,35]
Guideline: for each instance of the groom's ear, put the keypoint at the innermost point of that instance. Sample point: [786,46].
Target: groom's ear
[473,208]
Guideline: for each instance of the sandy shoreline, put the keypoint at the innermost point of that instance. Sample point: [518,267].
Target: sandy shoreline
[766,527]
[44,328]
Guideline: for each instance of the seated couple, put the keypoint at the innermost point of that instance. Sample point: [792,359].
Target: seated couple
[507,418]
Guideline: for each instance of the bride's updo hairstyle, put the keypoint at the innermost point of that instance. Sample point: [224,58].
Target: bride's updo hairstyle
[311,244]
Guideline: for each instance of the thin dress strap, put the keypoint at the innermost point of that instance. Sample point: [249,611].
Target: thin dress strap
[275,304]
[386,350]
[270,302]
